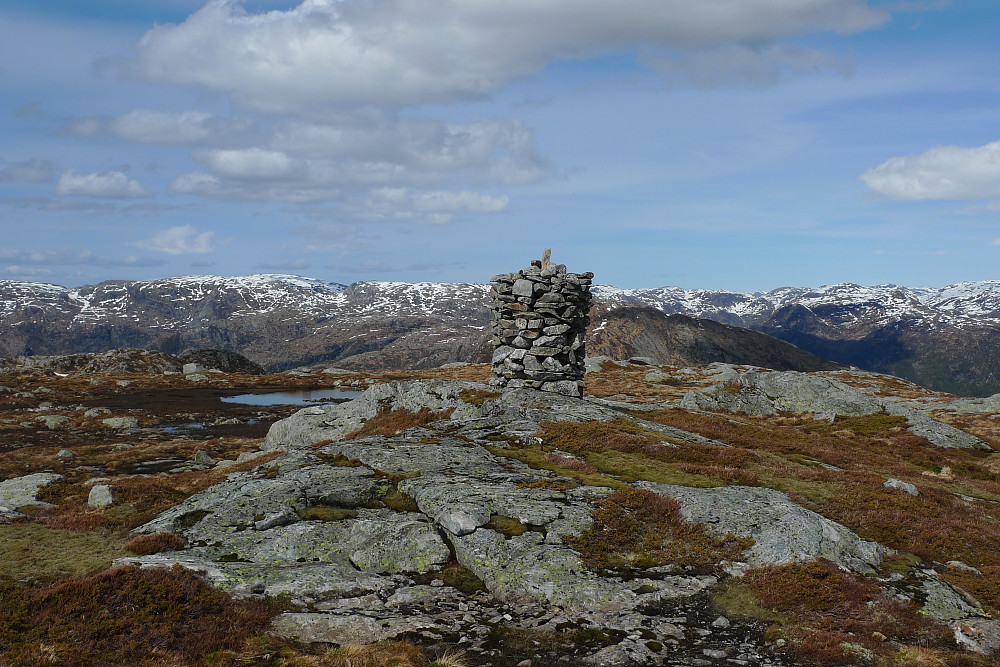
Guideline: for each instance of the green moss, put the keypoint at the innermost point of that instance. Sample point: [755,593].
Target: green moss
[338,460]
[735,599]
[876,425]
[631,467]
[398,501]
[461,578]
[899,563]
[535,458]
[324,513]
[506,525]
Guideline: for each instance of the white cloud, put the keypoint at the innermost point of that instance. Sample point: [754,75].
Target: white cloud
[254,164]
[354,153]
[109,185]
[35,170]
[943,172]
[180,240]
[27,271]
[400,52]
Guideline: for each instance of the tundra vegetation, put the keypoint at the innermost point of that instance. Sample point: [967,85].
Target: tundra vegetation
[62,602]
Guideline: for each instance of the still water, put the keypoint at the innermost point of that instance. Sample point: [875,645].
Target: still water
[297,397]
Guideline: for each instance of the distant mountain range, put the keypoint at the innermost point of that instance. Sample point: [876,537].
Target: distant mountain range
[947,339]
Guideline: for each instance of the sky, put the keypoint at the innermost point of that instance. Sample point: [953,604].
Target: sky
[721,144]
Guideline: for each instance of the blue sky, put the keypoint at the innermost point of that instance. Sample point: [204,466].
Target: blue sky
[723,144]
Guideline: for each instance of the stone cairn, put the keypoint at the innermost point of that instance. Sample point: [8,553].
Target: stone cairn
[538,323]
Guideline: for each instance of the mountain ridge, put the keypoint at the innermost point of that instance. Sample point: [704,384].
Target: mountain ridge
[945,338]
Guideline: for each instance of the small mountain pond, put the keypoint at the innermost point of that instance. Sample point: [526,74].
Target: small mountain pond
[296,397]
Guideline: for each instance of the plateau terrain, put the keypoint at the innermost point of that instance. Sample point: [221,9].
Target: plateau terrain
[717,514]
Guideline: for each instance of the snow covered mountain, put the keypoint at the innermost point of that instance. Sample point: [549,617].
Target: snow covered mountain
[946,338]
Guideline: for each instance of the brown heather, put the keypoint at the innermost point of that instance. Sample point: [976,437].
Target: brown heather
[826,610]
[395,422]
[477,397]
[146,545]
[638,528]
[936,525]
[125,616]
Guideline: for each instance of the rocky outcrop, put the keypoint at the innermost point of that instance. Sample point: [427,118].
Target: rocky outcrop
[538,322]
[765,393]
[783,532]
[433,532]
[759,392]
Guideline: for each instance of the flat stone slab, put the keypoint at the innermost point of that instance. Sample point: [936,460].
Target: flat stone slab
[23,491]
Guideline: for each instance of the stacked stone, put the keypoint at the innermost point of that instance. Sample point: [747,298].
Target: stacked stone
[538,323]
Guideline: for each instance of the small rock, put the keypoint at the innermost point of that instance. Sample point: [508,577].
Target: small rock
[524,663]
[715,654]
[96,412]
[642,361]
[196,377]
[878,636]
[100,496]
[123,383]
[65,454]
[721,622]
[121,423]
[893,483]
[202,458]
[959,565]
[52,422]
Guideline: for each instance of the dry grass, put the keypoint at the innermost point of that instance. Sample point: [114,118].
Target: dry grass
[34,551]
[627,382]
[570,463]
[638,528]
